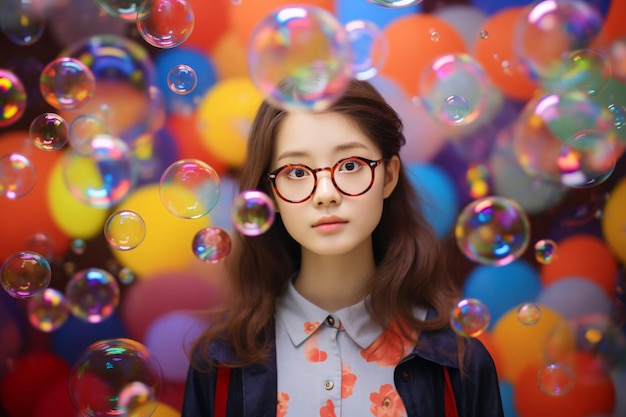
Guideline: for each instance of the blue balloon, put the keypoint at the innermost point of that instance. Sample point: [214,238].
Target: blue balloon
[201,64]
[348,10]
[71,339]
[506,393]
[438,196]
[502,288]
[493,6]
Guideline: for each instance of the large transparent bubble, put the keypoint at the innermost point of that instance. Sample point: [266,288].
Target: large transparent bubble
[300,58]
[93,295]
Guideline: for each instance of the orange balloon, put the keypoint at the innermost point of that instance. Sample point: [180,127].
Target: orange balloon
[244,17]
[29,215]
[487,340]
[583,256]
[592,392]
[613,26]
[211,21]
[229,57]
[497,56]
[414,42]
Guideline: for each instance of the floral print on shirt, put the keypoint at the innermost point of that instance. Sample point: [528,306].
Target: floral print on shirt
[328,410]
[348,379]
[386,351]
[387,402]
[282,404]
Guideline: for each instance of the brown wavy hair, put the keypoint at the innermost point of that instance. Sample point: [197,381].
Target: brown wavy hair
[409,258]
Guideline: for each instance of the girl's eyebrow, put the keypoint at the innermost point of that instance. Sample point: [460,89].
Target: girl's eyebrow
[338,148]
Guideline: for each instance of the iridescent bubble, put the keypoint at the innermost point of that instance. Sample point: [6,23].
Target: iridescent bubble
[83,129]
[24,274]
[555,378]
[252,212]
[586,160]
[48,310]
[470,317]
[492,230]
[484,34]
[49,132]
[93,294]
[182,79]
[124,230]
[104,176]
[115,377]
[17,175]
[66,83]
[78,246]
[529,314]
[435,37]
[395,4]
[546,251]
[42,244]
[165,23]
[552,29]
[13,98]
[126,276]
[211,244]
[454,89]
[585,70]
[122,9]
[549,122]
[369,48]
[189,188]
[300,58]
[22,21]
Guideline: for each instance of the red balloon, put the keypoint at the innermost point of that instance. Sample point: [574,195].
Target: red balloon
[25,385]
[148,299]
[55,401]
[592,392]
[211,22]
[27,216]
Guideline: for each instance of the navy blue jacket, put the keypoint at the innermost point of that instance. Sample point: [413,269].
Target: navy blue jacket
[419,379]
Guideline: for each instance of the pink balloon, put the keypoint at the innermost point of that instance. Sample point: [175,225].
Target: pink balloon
[148,299]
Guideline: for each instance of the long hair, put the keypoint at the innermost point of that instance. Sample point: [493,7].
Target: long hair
[410,261]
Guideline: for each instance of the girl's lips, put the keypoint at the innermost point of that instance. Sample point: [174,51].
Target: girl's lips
[330,227]
[326,220]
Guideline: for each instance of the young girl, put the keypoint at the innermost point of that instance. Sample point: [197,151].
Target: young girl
[342,307]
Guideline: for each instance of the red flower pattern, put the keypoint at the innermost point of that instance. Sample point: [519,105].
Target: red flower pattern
[388,349]
[348,379]
[387,402]
[311,352]
[328,410]
[282,404]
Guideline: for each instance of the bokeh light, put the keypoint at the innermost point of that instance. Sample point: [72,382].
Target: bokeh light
[93,294]
[470,317]
[48,310]
[124,230]
[25,274]
[17,176]
[252,212]
[492,230]
[115,377]
[67,83]
[189,188]
[165,23]
[13,98]
[300,58]
[49,132]
[211,244]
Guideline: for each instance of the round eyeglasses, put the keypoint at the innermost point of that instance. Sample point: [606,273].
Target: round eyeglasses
[296,183]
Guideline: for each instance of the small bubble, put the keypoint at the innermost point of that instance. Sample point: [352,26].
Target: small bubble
[484,34]
[435,36]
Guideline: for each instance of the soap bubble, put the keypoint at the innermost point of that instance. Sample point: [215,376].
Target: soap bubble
[470,317]
[182,79]
[25,274]
[211,244]
[49,132]
[369,47]
[48,310]
[124,230]
[300,58]
[253,212]
[17,175]
[529,314]
[165,23]
[13,98]
[555,378]
[395,4]
[93,294]
[545,251]
[492,230]
[115,377]
[66,83]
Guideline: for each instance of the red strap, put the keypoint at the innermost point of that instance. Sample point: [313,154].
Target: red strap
[450,402]
[221,390]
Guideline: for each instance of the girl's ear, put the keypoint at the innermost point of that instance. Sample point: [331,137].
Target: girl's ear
[392,171]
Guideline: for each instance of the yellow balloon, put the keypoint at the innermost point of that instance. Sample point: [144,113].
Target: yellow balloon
[519,344]
[224,117]
[167,245]
[150,410]
[614,220]
[74,217]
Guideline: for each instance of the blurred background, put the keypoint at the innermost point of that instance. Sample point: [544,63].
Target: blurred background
[123,124]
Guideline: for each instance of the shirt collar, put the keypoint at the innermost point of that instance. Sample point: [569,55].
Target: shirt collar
[301,318]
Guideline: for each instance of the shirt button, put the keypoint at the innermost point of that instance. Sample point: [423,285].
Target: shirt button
[329,385]
[330,320]
[406,376]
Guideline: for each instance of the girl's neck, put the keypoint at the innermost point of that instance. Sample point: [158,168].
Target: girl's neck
[334,282]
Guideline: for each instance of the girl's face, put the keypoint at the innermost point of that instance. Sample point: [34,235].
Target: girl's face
[329,222]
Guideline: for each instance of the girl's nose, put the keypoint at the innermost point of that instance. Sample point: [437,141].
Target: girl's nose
[325,193]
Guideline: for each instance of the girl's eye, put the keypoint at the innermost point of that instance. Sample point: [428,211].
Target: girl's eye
[297,172]
[351,165]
